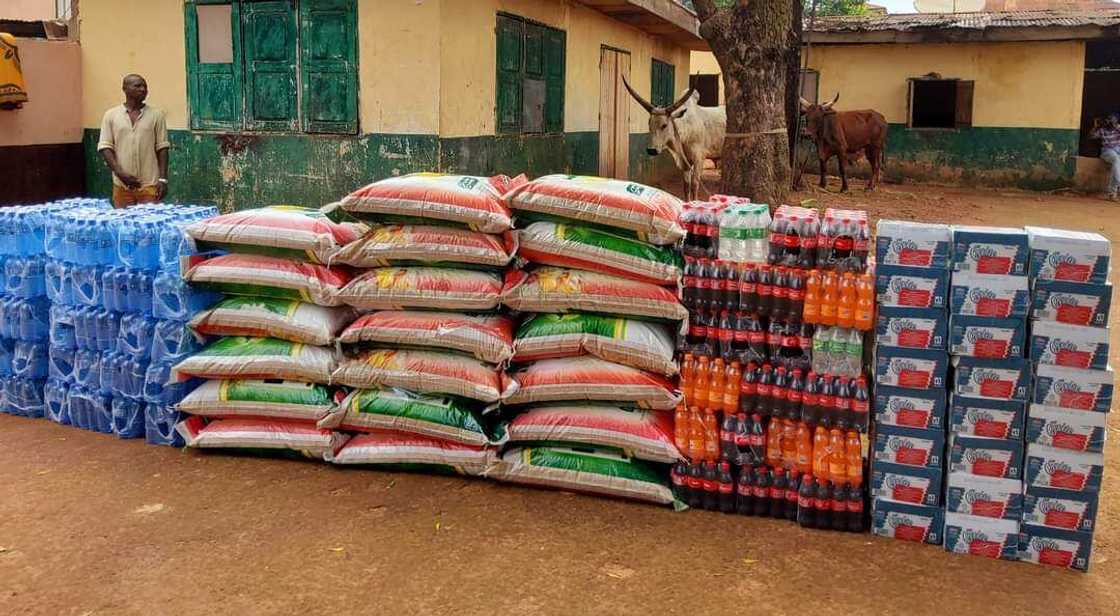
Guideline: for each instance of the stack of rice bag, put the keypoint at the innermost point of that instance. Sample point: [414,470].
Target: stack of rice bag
[268,372]
[425,360]
[593,355]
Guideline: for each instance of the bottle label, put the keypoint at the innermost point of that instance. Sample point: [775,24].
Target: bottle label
[726,335]
[860,406]
[840,403]
[791,342]
[760,492]
[797,295]
[791,495]
[691,281]
[843,243]
[698,331]
[731,285]
[742,335]
[822,504]
[777,493]
[779,292]
[749,288]
[703,282]
[762,390]
[765,290]
[794,396]
[808,399]
[839,506]
[725,488]
[757,337]
[804,502]
[855,505]
[792,241]
[744,489]
[748,389]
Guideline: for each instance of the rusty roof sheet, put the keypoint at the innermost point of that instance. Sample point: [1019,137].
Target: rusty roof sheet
[969,21]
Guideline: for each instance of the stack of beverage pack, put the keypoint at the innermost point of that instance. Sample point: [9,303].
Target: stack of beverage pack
[911,363]
[989,306]
[760,401]
[1066,419]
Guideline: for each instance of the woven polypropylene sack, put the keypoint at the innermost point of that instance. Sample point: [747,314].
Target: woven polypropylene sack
[261,434]
[262,276]
[476,202]
[651,214]
[640,344]
[414,451]
[266,399]
[238,357]
[555,289]
[585,248]
[370,410]
[279,230]
[262,317]
[583,470]
[590,378]
[428,372]
[434,288]
[427,245]
[487,337]
[647,435]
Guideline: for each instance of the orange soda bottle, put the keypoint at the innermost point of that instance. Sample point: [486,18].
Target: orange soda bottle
[854,453]
[695,434]
[789,444]
[837,458]
[688,376]
[716,381]
[681,429]
[846,304]
[830,297]
[774,444]
[711,436]
[820,453]
[865,302]
[811,312]
[731,388]
[804,448]
[701,383]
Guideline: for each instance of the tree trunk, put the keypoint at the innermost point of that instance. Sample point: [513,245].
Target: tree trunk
[793,82]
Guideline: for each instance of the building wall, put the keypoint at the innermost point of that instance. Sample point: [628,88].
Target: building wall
[426,100]
[704,63]
[27,10]
[1026,108]
[41,142]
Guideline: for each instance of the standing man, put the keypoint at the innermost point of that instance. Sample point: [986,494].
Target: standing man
[1108,132]
[134,145]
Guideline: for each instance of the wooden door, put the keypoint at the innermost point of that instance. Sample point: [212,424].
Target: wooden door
[614,115]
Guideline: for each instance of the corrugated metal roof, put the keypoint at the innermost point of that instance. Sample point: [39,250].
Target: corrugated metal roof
[970,21]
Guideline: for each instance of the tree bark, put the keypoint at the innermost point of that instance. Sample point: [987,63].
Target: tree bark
[752,48]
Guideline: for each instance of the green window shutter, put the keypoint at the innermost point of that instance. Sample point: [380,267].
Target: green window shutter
[662,83]
[213,89]
[269,36]
[328,66]
[510,62]
[555,52]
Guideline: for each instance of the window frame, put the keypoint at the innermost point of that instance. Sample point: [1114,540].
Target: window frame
[509,85]
[963,103]
[667,70]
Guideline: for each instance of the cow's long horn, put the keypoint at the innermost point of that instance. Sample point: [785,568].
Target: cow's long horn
[680,103]
[829,105]
[805,104]
[641,101]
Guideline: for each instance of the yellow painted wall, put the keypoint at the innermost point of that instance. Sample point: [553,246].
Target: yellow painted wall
[467,95]
[398,65]
[1025,85]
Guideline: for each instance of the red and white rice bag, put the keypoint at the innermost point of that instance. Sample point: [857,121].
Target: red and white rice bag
[262,276]
[236,357]
[585,248]
[641,344]
[426,244]
[414,450]
[651,214]
[555,289]
[427,372]
[434,288]
[590,378]
[643,434]
[257,434]
[487,337]
[265,317]
[583,469]
[476,202]
[278,230]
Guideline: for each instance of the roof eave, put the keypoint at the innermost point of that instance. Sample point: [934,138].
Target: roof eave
[663,18]
[966,35]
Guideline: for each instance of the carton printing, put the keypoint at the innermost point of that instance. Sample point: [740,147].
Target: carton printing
[1073,388]
[1066,429]
[1072,303]
[910,368]
[998,379]
[910,408]
[1061,509]
[1059,469]
[911,287]
[982,295]
[906,484]
[912,328]
[909,446]
[907,522]
[1058,548]
[990,250]
[1072,346]
[913,244]
[1073,256]
[986,418]
[987,457]
[986,337]
[987,497]
[980,536]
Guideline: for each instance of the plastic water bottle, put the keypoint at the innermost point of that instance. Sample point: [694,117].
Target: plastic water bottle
[140,289]
[7,351]
[108,330]
[61,367]
[34,319]
[128,418]
[24,397]
[174,299]
[87,369]
[29,360]
[159,426]
[62,327]
[56,275]
[822,350]
[137,336]
[25,277]
[174,341]
[111,365]
[56,396]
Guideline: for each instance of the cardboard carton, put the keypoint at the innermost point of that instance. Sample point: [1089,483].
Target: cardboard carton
[1066,429]
[1073,388]
[990,250]
[981,295]
[1058,548]
[986,337]
[913,244]
[1072,346]
[1072,303]
[985,418]
[1072,256]
[911,287]
[911,408]
[1060,509]
[1060,469]
[910,368]
[988,457]
[998,379]
[907,522]
[980,536]
[906,484]
[909,446]
[987,497]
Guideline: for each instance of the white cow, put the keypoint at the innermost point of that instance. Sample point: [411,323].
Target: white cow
[691,134]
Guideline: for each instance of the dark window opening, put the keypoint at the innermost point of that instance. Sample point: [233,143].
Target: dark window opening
[708,87]
[1101,94]
[531,68]
[940,103]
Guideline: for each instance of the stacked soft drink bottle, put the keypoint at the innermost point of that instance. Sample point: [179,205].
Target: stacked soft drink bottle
[911,363]
[104,328]
[1066,418]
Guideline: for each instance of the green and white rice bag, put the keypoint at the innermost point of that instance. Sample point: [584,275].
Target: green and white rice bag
[366,410]
[596,471]
[260,398]
[639,344]
[237,357]
[263,317]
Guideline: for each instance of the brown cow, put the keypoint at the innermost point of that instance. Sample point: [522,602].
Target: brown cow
[844,134]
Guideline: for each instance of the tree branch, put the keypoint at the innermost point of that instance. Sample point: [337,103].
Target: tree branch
[705,9]
[715,21]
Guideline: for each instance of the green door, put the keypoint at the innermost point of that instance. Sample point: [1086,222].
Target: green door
[328,66]
[213,86]
[270,65]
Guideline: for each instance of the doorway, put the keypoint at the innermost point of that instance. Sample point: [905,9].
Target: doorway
[1102,90]
[614,114]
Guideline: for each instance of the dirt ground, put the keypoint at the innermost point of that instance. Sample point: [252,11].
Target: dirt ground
[93,525]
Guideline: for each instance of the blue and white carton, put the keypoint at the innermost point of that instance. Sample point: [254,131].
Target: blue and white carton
[910,368]
[1066,429]
[1042,545]
[998,379]
[915,485]
[913,244]
[1073,388]
[912,328]
[987,457]
[1072,303]
[907,522]
[1061,509]
[911,287]
[1060,469]
[986,337]
[909,446]
[982,295]
[980,536]
[990,250]
[911,408]
[986,418]
[988,497]
[1072,346]
[1072,256]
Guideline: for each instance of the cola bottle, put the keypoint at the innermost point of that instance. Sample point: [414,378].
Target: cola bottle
[825,401]
[719,282]
[807,259]
[704,280]
[757,442]
[855,510]
[841,403]
[742,438]
[697,335]
[839,504]
[792,490]
[690,290]
[795,296]
[761,491]
[778,494]
[860,404]
[810,414]
[794,394]
[726,335]
[806,500]
[748,389]
[778,228]
[730,280]
[744,499]
[712,319]
[822,504]
[790,351]
[778,393]
[774,340]
[741,339]
[748,289]
[779,297]
[679,477]
[757,340]
[765,287]
[792,252]
[726,487]
[763,400]
[695,486]
[711,487]
[805,341]
[861,246]
[727,429]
